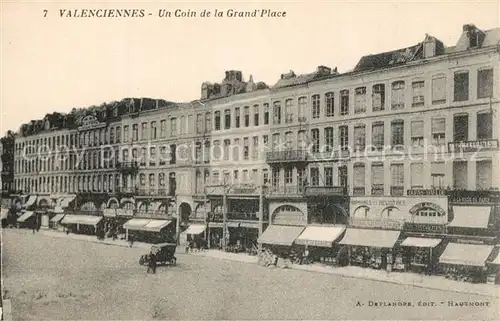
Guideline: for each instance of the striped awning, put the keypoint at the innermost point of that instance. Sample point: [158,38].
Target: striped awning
[25,216]
[57,218]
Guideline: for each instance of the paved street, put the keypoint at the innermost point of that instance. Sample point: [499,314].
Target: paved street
[61,279]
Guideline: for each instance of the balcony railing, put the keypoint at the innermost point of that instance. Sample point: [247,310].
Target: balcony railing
[152,192]
[286,156]
[378,189]
[129,167]
[397,190]
[127,190]
[473,146]
[325,190]
[286,190]
[358,191]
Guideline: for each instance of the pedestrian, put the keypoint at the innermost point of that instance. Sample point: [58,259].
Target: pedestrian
[151,263]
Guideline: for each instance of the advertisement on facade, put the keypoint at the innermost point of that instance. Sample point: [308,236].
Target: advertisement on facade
[416,210]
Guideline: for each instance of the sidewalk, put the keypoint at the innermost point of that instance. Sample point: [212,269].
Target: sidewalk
[411,279]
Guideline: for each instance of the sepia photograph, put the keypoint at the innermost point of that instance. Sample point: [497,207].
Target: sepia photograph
[250,160]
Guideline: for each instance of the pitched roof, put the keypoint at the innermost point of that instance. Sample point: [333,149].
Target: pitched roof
[390,58]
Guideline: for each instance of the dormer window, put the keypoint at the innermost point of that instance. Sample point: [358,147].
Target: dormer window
[473,39]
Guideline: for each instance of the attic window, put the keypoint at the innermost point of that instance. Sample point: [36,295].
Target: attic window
[473,39]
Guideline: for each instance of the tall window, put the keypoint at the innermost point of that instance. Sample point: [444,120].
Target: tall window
[378,97]
[208,122]
[344,137]
[378,135]
[173,127]
[236,149]
[199,123]
[360,137]
[237,113]
[288,175]
[398,132]
[417,133]
[301,140]
[377,179]
[437,174]
[398,95]
[328,176]
[246,148]
[483,174]
[461,86]
[417,171]
[277,113]
[330,104]
[302,109]
[288,111]
[316,108]
[418,93]
[153,130]
[163,128]
[288,140]
[342,175]
[227,119]
[266,114]
[460,128]
[314,176]
[344,102]
[275,177]
[125,133]
[359,179]
[256,117]
[329,138]
[485,83]
[217,150]
[438,129]
[276,141]
[227,143]
[397,179]
[118,134]
[439,89]
[144,130]
[315,140]
[255,147]
[484,125]
[460,175]
[360,100]
[217,120]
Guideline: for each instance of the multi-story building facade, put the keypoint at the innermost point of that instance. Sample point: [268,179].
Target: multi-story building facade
[422,117]
[7,166]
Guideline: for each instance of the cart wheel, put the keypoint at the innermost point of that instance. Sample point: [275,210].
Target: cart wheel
[173,261]
[141,261]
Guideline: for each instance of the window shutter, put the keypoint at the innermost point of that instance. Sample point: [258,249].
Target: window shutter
[416,174]
[439,90]
[437,168]
[359,175]
[417,128]
[438,125]
[377,174]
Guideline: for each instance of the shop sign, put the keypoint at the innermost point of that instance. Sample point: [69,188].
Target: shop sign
[425,228]
[427,205]
[244,189]
[473,145]
[124,212]
[109,212]
[386,224]
[426,192]
[325,191]
[474,197]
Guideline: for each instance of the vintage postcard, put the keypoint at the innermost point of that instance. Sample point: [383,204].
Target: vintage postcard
[250,160]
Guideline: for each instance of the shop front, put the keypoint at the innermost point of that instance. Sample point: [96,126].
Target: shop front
[27,219]
[319,243]
[420,254]
[277,243]
[465,262]
[149,230]
[493,267]
[194,237]
[83,224]
[372,248]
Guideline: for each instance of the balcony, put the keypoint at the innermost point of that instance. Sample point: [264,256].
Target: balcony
[312,191]
[397,190]
[286,191]
[153,192]
[128,167]
[358,191]
[378,189]
[127,190]
[286,156]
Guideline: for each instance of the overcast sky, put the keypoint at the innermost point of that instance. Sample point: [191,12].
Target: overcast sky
[55,64]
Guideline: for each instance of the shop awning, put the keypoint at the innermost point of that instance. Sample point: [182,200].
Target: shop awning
[370,238]
[280,235]
[156,225]
[215,224]
[466,254]
[57,218]
[496,261]
[25,216]
[56,209]
[4,212]
[470,216]
[66,200]
[195,229]
[136,224]
[109,212]
[320,235]
[31,200]
[81,219]
[420,242]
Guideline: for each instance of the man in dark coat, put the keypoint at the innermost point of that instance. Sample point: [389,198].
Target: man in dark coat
[152,262]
